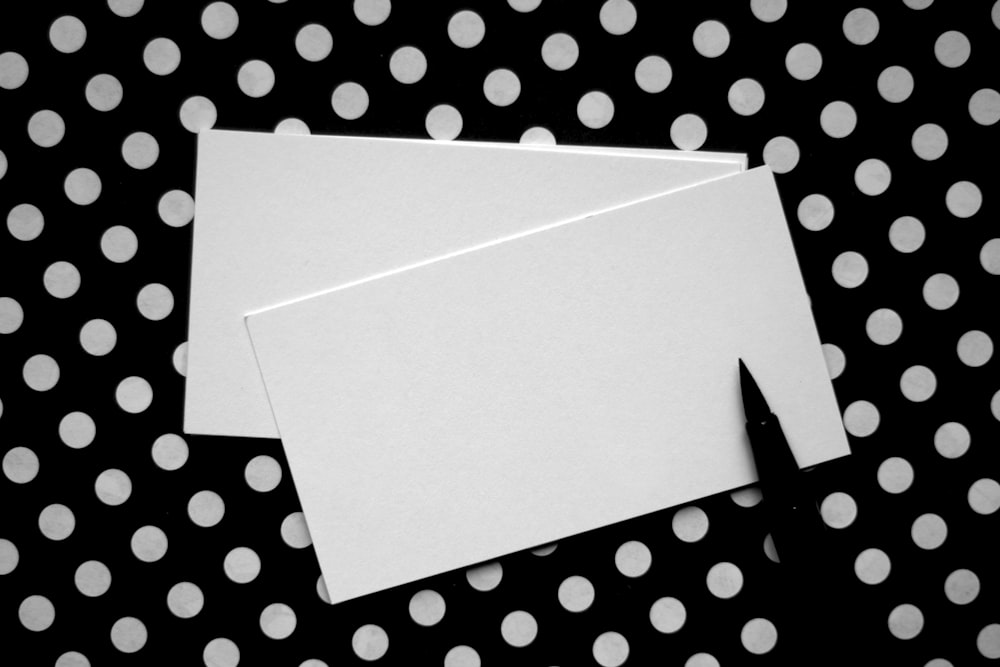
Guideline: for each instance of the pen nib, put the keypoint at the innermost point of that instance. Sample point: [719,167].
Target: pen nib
[755,408]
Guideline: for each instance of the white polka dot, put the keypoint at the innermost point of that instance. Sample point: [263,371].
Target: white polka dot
[872,566]
[13,70]
[964,199]
[292,126]
[133,394]
[149,544]
[72,659]
[918,4]
[975,348]
[576,593]
[372,12]
[746,97]
[125,8]
[92,578]
[219,20]
[906,621]
[988,639]
[860,26]
[850,269]
[3,164]
[350,100]
[36,613]
[61,280]
[77,430]
[769,549]
[40,372]
[815,212]
[984,106]
[688,132]
[501,87]
[197,113]
[768,11]
[313,42]
[995,14]
[294,531]
[781,154]
[104,92]
[803,61]
[906,234]
[11,315]
[895,475]
[408,64]
[119,244]
[918,383]
[20,465]
[984,496]
[759,636]
[952,49]
[838,119]
[25,222]
[170,451]
[262,473]
[56,522]
[67,34]
[929,531]
[961,586]
[538,136]
[861,419]
[462,656]
[838,510]
[872,177]
[702,660]
[221,652]
[370,642]
[652,74]
[711,39]
[884,326]
[524,6]
[595,109]
[835,360]
[519,628]
[724,580]
[176,208]
[185,600]
[940,291]
[180,359]
[466,29]
[322,591]
[895,84]
[255,78]
[610,649]
[485,577]
[443,122]
[155,301]
[46,128]
[633,559]
[618,16]
[9,556]
[667,615]
[140,150]
[560,52]
[242,565]
[206,508]
[952,440]
[82,186]
[690,524]
[161,56]
[989,256]
[929,141]
[128,634]
[545,549]
[113,487]
[427,607]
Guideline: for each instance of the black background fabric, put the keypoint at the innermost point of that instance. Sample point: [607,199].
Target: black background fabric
[548,99]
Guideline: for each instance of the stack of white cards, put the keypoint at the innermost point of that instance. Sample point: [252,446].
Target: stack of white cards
[472,349]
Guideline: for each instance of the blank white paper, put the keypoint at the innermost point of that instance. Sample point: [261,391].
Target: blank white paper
[278,217]
[543,386]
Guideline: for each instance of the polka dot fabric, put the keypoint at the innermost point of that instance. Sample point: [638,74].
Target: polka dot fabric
[123,539]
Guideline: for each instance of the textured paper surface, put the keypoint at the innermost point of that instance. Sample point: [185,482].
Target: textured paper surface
[278,217]
[539,387]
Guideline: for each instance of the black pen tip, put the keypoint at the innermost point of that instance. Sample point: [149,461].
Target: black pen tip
[755,408]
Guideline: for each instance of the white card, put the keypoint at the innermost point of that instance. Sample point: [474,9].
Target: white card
[535,388]
[279,217]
